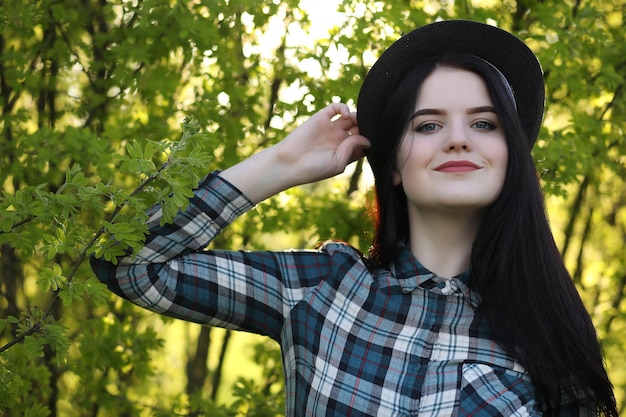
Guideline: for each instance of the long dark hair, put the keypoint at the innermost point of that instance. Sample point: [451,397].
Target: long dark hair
[528,298]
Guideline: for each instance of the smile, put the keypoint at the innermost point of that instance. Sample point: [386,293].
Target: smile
[457,166]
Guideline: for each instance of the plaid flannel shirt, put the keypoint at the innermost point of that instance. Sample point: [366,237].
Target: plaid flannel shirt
[398,341]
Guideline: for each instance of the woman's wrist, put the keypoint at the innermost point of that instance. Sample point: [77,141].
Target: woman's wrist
[261,176]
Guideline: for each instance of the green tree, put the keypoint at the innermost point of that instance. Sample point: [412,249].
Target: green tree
[109,106]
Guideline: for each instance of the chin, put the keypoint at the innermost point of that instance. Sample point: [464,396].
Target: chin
[470,204]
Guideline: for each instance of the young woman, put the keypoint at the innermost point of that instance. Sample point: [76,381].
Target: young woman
[463,307]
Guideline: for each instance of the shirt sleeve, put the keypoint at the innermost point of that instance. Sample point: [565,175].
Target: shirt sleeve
[174,275]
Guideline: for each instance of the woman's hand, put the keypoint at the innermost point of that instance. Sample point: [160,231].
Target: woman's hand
[320,148]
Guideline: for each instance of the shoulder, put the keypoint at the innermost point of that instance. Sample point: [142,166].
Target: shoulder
[339,247]
[340,250]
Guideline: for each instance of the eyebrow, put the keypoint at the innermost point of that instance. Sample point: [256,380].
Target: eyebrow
[471,110]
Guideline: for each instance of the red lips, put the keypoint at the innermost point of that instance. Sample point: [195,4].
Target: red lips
[457,166]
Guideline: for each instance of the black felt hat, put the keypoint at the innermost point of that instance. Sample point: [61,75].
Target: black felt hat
[503,50]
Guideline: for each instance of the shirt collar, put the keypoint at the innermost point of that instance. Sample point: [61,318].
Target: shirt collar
[410,273]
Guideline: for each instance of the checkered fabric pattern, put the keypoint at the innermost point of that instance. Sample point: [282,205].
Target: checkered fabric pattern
[398,341]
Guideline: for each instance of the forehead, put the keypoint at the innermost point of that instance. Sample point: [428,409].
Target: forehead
[449,86]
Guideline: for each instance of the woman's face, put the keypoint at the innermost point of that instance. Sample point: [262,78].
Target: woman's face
[454,155]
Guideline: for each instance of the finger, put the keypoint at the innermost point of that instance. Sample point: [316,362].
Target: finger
[338,109]
[353,148]
[347,124]
[354,118]
[353,129]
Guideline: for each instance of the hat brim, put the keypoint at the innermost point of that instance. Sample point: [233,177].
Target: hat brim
[509,54]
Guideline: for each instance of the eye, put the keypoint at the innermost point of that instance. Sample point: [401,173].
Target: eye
[427,127]
[484,125]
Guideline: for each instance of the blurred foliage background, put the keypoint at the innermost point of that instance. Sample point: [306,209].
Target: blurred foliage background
[109,106]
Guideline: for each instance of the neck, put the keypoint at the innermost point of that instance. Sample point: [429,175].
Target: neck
[442,242]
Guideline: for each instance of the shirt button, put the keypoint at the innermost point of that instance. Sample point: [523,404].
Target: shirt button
[417,367]
[432,321]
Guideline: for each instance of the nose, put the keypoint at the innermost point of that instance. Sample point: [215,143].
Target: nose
[457,138]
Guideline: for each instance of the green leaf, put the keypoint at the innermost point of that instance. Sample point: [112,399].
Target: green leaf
[12,385]
[97,290]
[10,320]
[52,278]
[37,410]
[33,347]
[56,337]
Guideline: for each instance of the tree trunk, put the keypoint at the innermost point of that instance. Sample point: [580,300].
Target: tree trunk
[11,279]
[217,374]
[50,362]
[573,215]
[197,364]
